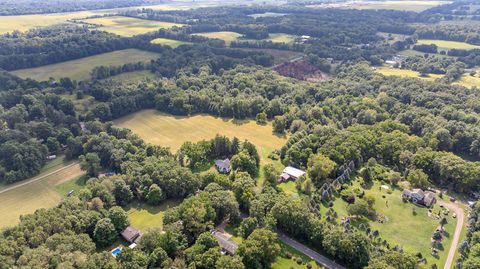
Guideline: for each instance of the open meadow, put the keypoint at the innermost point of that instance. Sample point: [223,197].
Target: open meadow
[144,217]
[469,81]
[126,26]
[388,71]
[80,69]
[404,5]
[169,42]
[226,36]
[447,45]
[172,131]
[42,191]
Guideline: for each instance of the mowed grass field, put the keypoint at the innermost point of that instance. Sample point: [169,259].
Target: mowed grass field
[169,42]
[172,131]
[226,36]
[387,71]
[126,26]
[144,217]
[43,193]
[444,44]
[80,69]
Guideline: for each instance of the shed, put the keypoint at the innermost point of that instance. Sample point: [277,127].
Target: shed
[293,172]
[226,244]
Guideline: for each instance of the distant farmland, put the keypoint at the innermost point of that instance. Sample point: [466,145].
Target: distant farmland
[126,26]
[228,37]
[169,42]
[387,71]
[80,69]
[444,44]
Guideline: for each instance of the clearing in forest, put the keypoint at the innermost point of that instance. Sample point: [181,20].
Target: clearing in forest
[80,69]
[169,42]
[144,217]
[469,81]
[126,26]
[388,71]
[42,191]
[172,131]
[447,45]
[226,36]
[403,5]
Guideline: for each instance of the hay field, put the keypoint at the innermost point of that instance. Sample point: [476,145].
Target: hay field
[172,131]
[27,198]
[126,26]
[169,42]
[403,5]
[80,69]
[387,71]
[446,45]
[469,81]
[228,37]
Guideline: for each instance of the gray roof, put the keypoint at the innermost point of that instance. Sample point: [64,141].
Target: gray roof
[224,164]
[225,243]
[429,198]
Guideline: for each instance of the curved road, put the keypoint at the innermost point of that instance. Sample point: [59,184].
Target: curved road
[458,229]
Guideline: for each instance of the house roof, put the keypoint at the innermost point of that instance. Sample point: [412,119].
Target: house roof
[225,164]
[130,234]
[429,198]
[294,172]
[419,192]
[225,243]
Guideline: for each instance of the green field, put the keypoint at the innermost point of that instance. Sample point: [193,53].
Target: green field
[402,227]
[281,38]
[405,5]
[267,15]
[387,71]
[172,131]
[126,26]
[228,37]
[144,217]
[80,69]
[133,77]
[446,45]
[169,42]
[43,193]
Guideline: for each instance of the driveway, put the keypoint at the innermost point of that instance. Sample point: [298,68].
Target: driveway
[309,252]
[458,230]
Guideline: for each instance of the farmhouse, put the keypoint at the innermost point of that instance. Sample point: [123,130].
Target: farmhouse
[130,234]
[290,173]
[417,196]
[223,166]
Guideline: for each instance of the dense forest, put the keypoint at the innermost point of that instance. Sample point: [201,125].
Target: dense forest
[357,125]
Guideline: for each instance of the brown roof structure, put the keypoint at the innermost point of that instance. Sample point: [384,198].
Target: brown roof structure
[130,234]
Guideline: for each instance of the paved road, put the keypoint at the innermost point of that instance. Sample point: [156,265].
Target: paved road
[309,252]
[36,178]
[458,229]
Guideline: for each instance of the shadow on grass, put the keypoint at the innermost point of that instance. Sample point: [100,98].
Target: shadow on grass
[152,209]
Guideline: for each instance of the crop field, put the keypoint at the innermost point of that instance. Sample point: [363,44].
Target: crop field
[228,37]
[80,69]
[126,26]
[144,217]
[133,77]
[387,71]
[446,45]
[405,5]
[169,42]
[172,131]
[43,193]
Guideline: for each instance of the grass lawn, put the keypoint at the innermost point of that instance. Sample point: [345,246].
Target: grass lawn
[126,26]
[402,227]
[280,56]
[283,262]
[81,105]
[144,217]
[172,131]
[74,184]
[228,37]
[169,42]
[80,69]
[405,5]
[446,45]
[468,81]
[290,189]
[267,15]
[44,193]
[387,71]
